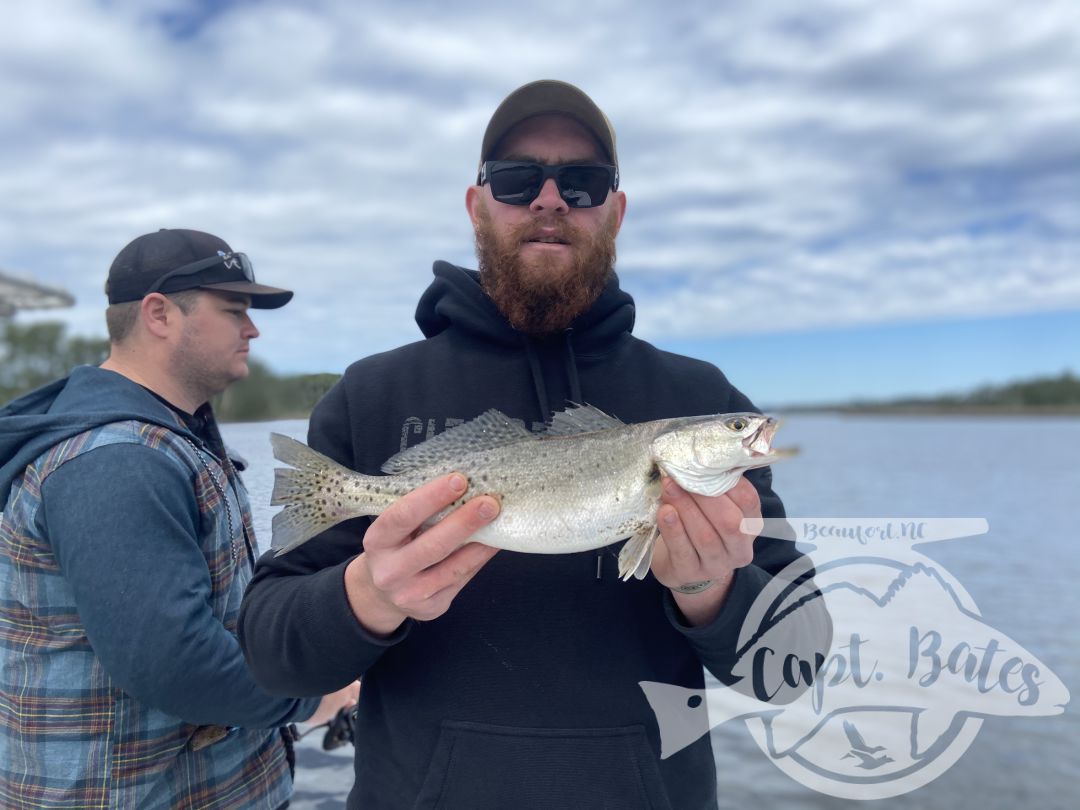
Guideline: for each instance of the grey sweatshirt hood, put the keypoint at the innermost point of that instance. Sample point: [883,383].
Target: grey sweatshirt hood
[37,421]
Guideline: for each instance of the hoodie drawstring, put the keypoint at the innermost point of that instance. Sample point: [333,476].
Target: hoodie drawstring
[537,372]
[572,370]
[538,380]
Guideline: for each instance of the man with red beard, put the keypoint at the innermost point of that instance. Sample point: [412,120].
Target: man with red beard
[544,263]
[496,680]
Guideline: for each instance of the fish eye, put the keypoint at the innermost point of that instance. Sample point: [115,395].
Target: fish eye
[738,424]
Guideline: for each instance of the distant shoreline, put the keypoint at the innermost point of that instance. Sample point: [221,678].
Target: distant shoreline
[932,410]
[1043,396]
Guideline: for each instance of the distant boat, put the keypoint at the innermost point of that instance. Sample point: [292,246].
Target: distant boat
[17,293]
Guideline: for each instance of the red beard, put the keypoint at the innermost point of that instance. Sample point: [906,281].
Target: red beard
[542,297]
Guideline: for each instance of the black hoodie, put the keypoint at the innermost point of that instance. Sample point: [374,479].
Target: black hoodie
[525,693]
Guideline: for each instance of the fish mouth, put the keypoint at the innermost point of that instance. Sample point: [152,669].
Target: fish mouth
[759,443]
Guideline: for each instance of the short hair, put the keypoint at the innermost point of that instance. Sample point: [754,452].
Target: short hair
[120,318]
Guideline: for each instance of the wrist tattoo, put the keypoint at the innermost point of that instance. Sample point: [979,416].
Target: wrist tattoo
[694,587]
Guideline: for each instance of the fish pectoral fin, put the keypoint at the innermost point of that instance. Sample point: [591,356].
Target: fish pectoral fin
[636,556]
[701,480]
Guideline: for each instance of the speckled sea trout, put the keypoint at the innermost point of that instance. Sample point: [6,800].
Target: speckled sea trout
[587,481]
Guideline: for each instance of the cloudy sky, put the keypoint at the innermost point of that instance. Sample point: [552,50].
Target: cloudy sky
[828,199]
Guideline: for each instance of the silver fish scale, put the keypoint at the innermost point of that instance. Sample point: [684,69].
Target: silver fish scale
[559,494]
[489,430]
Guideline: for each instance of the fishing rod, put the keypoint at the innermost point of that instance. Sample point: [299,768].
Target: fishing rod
[339,729]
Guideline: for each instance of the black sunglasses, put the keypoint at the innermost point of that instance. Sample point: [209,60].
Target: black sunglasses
[518,182]
[230,261]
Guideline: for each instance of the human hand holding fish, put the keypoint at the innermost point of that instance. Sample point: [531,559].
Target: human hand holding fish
[409,571]
[701,541]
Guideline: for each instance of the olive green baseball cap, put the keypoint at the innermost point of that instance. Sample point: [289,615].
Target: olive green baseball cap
[548,97]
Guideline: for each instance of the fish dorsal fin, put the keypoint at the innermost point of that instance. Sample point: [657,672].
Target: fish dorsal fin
[580,419]
[490,429]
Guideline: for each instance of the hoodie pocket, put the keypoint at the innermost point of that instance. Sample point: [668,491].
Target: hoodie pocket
[483,767]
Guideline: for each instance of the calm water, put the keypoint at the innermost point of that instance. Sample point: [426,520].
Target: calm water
[1021,474]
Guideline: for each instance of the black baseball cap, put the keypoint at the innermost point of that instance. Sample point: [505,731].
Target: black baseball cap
[548,97]
[174,259]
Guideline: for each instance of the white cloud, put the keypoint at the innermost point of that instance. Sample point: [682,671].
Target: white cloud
[789,165]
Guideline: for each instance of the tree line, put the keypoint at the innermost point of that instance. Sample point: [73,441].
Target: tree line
[1053,394]
[34,354]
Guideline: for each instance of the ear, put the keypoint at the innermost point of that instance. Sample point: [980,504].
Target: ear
[158,314]
[618,200]
[473,200]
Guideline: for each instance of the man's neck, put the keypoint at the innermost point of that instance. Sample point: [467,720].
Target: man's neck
[150,377]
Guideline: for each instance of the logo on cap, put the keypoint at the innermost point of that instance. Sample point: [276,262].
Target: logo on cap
[230,260]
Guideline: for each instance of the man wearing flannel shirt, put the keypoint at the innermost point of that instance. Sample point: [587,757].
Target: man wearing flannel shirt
[125,546]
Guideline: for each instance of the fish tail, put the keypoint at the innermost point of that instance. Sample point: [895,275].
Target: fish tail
[299,455]
[636,556]
[310,494]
